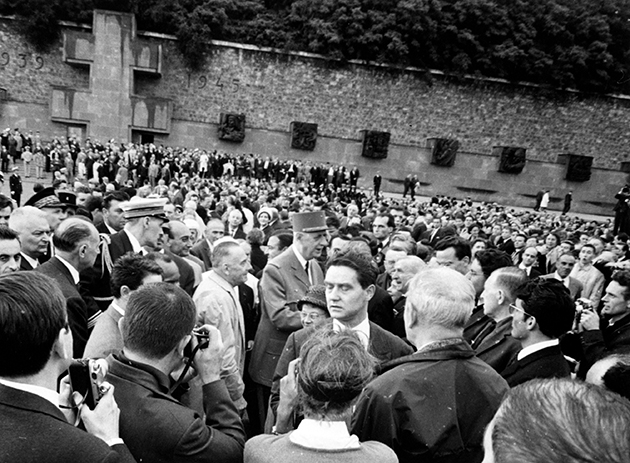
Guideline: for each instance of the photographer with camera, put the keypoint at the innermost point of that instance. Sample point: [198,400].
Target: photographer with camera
[36,346]
[156,330]
[608,332]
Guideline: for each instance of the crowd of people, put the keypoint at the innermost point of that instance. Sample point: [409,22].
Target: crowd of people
[241,308]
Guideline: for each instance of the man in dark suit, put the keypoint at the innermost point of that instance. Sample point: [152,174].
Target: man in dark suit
[564,265]
[32,227]
[528,261]
[76,243]
[350,281]
[155,425]
[286,278]
[142,231]
[543,312]
[494,345]
[234,225]
[15,185]
[437,232]
[34,329]
[113,216]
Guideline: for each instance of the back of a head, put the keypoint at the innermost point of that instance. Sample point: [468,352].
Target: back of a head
[334,369]
[510,280]
[549,301]
[32,313]
[157,317]
[561,421]
[460,245]
[441,297]
[130,270]
[222,251]
[72,232]
[492,259]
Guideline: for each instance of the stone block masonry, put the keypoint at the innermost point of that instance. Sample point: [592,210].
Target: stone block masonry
[147,89]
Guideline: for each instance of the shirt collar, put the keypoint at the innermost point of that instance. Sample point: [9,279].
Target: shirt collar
[43,392]
[117,308]
[301,259]
[34,262]
[111,230]
[135,244]
[559,278]
[324,435]
[362,329]
[73,271]
[529,350]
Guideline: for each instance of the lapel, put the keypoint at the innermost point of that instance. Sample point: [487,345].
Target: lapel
[297,268]
[63,270]
[500,332]
[379,344]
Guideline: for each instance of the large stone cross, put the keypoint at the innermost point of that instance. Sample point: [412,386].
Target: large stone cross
[108,108]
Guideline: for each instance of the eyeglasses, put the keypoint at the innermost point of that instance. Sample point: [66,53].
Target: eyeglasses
[514,308]
[312,316]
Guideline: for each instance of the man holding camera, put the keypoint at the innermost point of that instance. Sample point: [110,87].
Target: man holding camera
[156,330]
[36,342]
[611,332]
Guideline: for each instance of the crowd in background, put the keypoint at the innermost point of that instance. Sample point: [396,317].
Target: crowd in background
[321,302]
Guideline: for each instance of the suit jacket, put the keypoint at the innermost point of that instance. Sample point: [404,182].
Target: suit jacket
[202,251]
[381,309]
[499,348]
[239,234]
[575,286]
[383,345]
[102,228]
[442,232]
[545,363]
[283,283]
[186,273]
[34,430]
[477,322]
[75,305]
[159,428]
[431,406]
[24,265]
[105,338]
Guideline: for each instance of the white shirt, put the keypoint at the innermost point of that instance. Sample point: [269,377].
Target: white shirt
[362,329]
[529,350]
[117,308]
[111,230]
[559,278]
[325,435]
[73,271]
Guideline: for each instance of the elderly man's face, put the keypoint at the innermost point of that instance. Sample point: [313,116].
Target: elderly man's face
[214,231]
[313,244]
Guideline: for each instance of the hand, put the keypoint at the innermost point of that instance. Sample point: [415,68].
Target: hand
[66,399]
[589,321]
[288,386]
[208,361]
[288,399]
[102,422]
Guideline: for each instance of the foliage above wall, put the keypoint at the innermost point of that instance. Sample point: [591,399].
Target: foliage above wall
[561,43]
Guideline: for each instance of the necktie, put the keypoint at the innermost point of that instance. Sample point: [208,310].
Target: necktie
[306,270]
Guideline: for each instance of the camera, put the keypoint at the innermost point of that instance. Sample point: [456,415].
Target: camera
[203,339]
[86,378]
[582,305]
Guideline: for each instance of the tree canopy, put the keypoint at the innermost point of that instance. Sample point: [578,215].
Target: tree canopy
[583,44]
